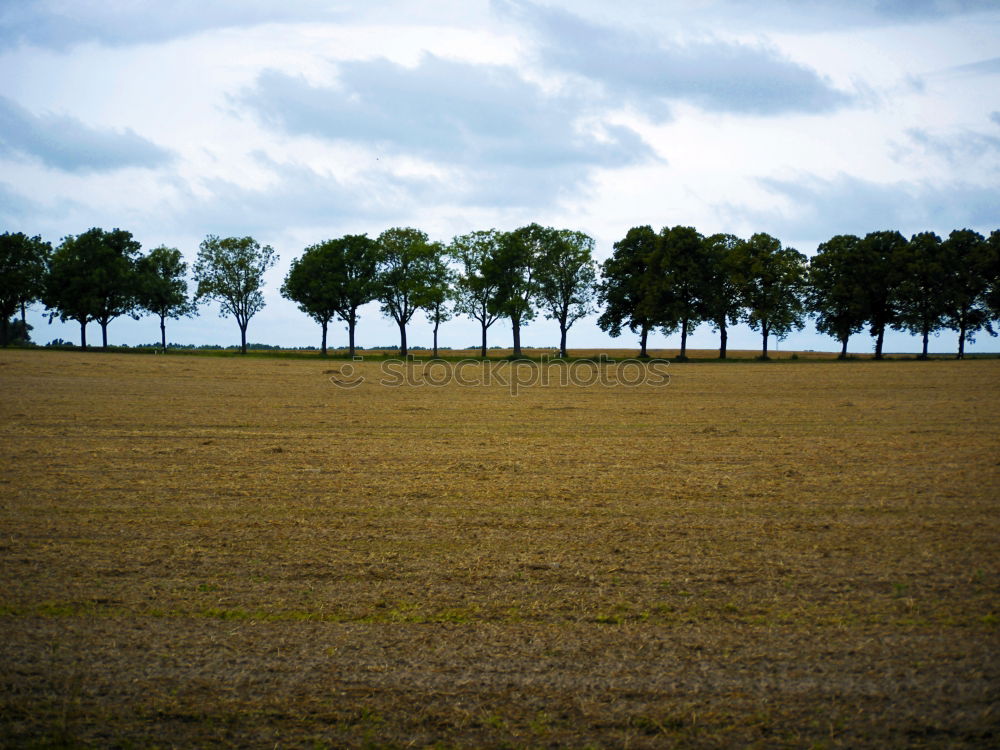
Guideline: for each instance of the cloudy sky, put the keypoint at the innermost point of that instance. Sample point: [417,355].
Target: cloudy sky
[301,120]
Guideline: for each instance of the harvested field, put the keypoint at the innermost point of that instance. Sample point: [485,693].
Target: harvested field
[211,551]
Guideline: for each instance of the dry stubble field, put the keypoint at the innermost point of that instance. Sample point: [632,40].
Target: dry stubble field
[202,551]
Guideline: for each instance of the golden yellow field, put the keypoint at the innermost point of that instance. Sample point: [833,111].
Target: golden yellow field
[223,551]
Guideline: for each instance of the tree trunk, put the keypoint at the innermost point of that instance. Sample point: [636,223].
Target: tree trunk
[482,352]
[961,340]
[163,332]
[351,322]
[24,320]
[843,348]
[767,332]
[923,354]
[562,338]
[402,339]
[878,342]
[83,334]
[642,342]
[5,328]
[243,339]
[723,339]
[684,339]
[322,345]
[437,324]
[104,334]
[516,323]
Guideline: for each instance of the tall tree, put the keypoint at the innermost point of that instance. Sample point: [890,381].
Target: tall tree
[566,276]
[163,289]
[406,265]
[993,295]
[880,272]
[681,267]
[722,298]
[834,293]
[514,267]
[439,291]
[23,264]
[921,292]
[335,277]
[230,270]
[627,290]
[967,285]
[93,277]
[476,287]
[771,279]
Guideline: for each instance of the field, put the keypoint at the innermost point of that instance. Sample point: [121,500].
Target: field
[223,552]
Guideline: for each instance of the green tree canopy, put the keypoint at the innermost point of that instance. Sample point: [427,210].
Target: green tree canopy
[163,289]
[405,275]
[93,277]
[566,276]
[771,279]
[834,293]
[920,296]
[681,270]
[722,305]
[230,270]
[967,286]
[880,264]
[628,286]
[335,277]
[476,288]
[436,298]
[514,268]
[23,265]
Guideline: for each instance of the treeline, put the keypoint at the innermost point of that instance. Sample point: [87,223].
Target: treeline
[671,281]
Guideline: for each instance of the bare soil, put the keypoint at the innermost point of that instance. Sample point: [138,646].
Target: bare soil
[242,552]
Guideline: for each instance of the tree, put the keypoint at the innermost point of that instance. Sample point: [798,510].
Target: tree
[476,288]
[230,270]
[438,292]
[16,331]
[405,273]
[93,277]
[334,277]
[920,294]
[966,287]
[163,290]
[23,264]
[722,298]
[880,272]
[771,280]
[834,294]
[681,273]
[993,295]
[566,276]
[628,286]
[514,268]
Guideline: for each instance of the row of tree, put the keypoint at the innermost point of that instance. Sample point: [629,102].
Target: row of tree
[672,280]
[676,279]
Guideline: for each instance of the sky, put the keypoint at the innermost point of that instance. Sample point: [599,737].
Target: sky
[299,121]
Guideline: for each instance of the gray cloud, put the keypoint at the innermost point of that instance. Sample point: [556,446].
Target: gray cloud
[59,24]
[296,196]
[821,15]
[503,137]
[955,149]
[452,112]
[979,68]
[822,208]
[713,74]
[65,143]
